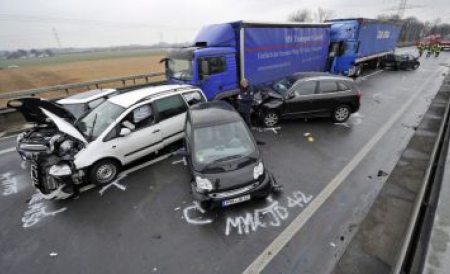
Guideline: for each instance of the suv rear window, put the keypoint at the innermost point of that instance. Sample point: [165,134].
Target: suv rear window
[170,106]
[344,86]
[328,86]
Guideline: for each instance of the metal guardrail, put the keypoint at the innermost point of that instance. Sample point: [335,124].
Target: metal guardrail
[86,85]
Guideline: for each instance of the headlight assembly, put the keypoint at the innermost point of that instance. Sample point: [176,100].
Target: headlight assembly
[60,170]
[258,170]
[203,184]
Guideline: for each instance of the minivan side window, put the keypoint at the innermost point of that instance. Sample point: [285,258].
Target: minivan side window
[306,88]
[328,86]
[193,97]
[170,106]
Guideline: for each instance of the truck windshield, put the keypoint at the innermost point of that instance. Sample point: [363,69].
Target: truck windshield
[180,69]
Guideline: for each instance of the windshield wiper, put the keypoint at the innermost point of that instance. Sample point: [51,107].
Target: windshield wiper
[228,158]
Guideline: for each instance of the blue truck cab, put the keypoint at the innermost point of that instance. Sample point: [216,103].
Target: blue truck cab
[358,42]
[223,54]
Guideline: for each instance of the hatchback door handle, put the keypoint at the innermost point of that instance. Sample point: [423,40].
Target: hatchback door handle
[156,131]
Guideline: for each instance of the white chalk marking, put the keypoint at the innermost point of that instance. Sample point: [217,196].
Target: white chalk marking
[9,184]
[180,161]
[286,235]
[8,150]
[115,183]
[198,220]
[37,211]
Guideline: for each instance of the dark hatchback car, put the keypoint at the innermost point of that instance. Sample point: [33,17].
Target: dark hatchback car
[223,157]
[306,95]
[400,61]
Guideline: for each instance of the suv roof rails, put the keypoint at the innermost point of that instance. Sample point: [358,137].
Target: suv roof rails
[162,93]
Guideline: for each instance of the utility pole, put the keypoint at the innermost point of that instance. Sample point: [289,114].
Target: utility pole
[56,37]
[401,8]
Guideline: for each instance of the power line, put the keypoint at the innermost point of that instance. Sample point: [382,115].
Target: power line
[53,19]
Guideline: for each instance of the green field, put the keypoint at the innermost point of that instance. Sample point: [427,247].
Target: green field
[76,57]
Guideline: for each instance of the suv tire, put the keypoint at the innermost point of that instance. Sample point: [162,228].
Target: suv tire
[341,114]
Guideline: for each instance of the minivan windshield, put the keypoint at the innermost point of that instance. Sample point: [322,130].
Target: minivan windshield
[180,69]
[98,119]
[283,85]
[221,143]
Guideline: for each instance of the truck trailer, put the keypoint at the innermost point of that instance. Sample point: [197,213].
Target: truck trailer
[360,42]
[224,54]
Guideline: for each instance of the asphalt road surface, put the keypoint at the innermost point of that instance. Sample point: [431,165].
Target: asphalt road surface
[146,222]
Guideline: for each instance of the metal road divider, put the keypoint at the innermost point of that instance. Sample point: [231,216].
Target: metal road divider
[120,81]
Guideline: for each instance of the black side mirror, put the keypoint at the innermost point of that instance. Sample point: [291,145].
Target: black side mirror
[290,96]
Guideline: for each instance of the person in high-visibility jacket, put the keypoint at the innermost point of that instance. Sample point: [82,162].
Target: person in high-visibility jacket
[437,50]
[421,48]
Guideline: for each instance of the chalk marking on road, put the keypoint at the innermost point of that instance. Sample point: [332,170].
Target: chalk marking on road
[8,150]
[115,183]
[37,211]
[198,220]
[9,184]
[286,235]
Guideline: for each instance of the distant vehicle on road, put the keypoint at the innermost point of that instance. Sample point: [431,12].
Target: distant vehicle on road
[401,61]
[304,95]
[360,42]
[66,153]
[223,157]
[80,103]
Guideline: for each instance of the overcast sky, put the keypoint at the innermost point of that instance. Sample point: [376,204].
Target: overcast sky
[87,23]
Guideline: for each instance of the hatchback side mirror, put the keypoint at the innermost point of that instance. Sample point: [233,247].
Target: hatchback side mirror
[124,132]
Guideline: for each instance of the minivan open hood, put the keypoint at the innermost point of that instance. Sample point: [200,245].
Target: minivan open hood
[31,109]
[65,126]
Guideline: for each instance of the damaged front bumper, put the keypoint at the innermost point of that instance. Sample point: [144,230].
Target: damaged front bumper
[256,190]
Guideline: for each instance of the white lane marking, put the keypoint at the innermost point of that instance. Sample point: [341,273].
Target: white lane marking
[362,78]
[8,137]
[281,240]
[8,150]
[146,164]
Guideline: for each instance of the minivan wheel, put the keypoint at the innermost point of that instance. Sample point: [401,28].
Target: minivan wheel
[270,118]
[103,172]
[341,114]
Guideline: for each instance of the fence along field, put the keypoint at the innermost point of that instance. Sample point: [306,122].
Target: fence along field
[75,68]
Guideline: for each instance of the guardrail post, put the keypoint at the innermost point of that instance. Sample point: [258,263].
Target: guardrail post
[67,91]
[96,85]
[146,79]
[123,82]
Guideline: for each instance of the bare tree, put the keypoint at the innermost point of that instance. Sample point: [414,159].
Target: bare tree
[303,15]
[324,15]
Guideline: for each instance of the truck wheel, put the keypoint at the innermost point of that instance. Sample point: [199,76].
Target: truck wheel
[270,118]
[358,71]
[103,172]
[341,114]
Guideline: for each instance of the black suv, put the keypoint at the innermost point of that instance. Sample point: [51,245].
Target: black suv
[305,95]
[400,61]
[223,157]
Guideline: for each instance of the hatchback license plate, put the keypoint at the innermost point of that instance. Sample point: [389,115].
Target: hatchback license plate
[236,200]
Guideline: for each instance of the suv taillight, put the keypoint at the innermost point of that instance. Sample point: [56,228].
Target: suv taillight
[359,95]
